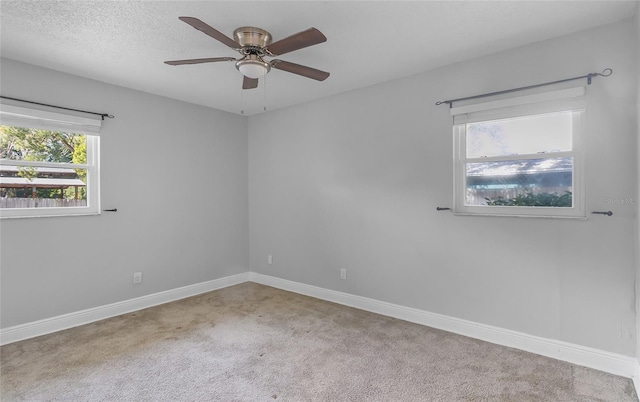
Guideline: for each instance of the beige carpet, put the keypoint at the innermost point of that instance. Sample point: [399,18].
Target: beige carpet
[254,343]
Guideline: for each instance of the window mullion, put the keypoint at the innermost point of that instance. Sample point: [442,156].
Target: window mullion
[545,155]
[11,162]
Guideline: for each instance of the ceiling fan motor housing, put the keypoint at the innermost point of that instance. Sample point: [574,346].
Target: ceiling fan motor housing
[253,41]
[251,36]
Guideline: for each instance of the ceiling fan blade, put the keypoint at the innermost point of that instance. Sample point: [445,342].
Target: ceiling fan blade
[196,61]
[297,41]
[249,83]
[208,30]
[300,70]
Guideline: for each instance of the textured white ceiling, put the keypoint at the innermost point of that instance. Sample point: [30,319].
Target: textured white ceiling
[126,42]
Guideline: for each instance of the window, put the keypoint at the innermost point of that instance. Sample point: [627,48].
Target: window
[520,156]
[49,163]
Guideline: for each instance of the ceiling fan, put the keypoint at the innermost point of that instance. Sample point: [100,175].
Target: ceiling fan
[254,44]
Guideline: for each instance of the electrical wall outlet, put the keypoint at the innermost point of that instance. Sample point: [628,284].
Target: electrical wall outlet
[269,259]
[343,273]
[137,277]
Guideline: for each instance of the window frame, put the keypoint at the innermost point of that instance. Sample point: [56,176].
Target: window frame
[571,100]
[44,120]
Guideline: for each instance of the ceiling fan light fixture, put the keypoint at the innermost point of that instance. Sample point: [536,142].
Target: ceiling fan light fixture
[253,67]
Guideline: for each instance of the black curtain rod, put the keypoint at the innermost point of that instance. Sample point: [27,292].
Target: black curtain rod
[605,73]
[102,115]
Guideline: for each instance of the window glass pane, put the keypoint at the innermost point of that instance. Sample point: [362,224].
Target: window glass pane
[520,135]
[18,143]
[526,182]
[42,187]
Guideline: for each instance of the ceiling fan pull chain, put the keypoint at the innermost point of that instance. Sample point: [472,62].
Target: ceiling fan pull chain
[241,102]
[264,99]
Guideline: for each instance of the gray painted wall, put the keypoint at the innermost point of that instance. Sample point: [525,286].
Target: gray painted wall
[353,181]
[155,149]
[350,181]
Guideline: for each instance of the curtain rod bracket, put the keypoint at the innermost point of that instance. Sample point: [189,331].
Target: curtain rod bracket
[605,73]
[608,213]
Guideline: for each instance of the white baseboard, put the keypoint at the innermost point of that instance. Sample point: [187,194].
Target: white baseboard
[613,363]
[58,323]
[594,358]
